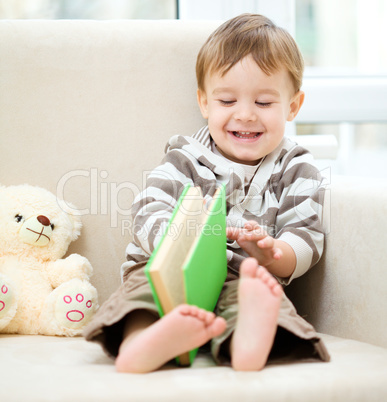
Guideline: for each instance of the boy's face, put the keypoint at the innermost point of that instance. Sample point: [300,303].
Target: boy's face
[247,110]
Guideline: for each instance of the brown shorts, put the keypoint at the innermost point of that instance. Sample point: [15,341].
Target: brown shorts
[295,339]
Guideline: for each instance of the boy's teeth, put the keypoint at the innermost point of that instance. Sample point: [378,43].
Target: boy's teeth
[242,134]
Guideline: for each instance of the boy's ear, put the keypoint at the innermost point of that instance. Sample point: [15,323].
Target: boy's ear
[203,103]
[295,105]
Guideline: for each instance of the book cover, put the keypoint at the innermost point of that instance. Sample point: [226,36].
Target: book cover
[189,264]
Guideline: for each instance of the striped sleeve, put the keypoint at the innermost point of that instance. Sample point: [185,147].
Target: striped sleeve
[153,207]
[300,192]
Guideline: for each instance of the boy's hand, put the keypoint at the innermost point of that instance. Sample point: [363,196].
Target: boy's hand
[256,242]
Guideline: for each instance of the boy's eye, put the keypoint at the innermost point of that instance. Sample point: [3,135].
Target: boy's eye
[263,104]
[226,102]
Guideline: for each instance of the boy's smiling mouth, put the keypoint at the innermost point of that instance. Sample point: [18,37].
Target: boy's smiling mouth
[245,134]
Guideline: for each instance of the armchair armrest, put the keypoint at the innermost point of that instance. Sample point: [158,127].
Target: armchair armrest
[345,293]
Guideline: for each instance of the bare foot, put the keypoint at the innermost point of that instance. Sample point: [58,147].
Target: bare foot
[183,329]
[259,298]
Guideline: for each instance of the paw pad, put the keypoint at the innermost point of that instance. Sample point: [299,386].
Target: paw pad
[4,291]
[75,308]
[76,315]
[6,298]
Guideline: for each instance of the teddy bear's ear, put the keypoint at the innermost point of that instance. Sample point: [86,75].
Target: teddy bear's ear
[74,216]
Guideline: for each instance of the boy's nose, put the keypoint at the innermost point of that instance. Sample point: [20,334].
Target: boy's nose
[246,113]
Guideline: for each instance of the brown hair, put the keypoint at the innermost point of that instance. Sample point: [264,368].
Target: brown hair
[250,34]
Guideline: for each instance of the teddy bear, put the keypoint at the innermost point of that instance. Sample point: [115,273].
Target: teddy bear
[41,292]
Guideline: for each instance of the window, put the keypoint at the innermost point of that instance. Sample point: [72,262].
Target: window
[346,36]
[346,39]
[88,9]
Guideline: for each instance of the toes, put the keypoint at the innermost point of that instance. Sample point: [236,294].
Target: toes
[217,327]
[184,309]
[263,274]
[277,289]
[194,311]
[248,268]
[268,279]
[259,272]
[271,282]
[203,315]
[209,317]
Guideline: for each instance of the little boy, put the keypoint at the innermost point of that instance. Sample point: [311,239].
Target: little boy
[249,75]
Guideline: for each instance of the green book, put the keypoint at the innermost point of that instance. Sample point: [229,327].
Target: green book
[189,264]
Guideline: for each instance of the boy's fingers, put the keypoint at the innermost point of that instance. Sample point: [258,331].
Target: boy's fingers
[277,253]
[254,236]
[253,232]
[266,242]
[252,225]
[233,233]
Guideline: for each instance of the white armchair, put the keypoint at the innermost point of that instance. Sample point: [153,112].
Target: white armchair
[85,111]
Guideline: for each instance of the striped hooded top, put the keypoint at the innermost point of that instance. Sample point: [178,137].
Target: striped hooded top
[285,197]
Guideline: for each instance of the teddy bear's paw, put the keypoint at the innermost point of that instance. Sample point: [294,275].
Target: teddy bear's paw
[80,265]
[75,306]
[7,302]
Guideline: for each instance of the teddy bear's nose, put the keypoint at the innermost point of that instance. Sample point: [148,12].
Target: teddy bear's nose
[43,220]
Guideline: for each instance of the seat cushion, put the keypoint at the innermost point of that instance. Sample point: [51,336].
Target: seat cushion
[37,368]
